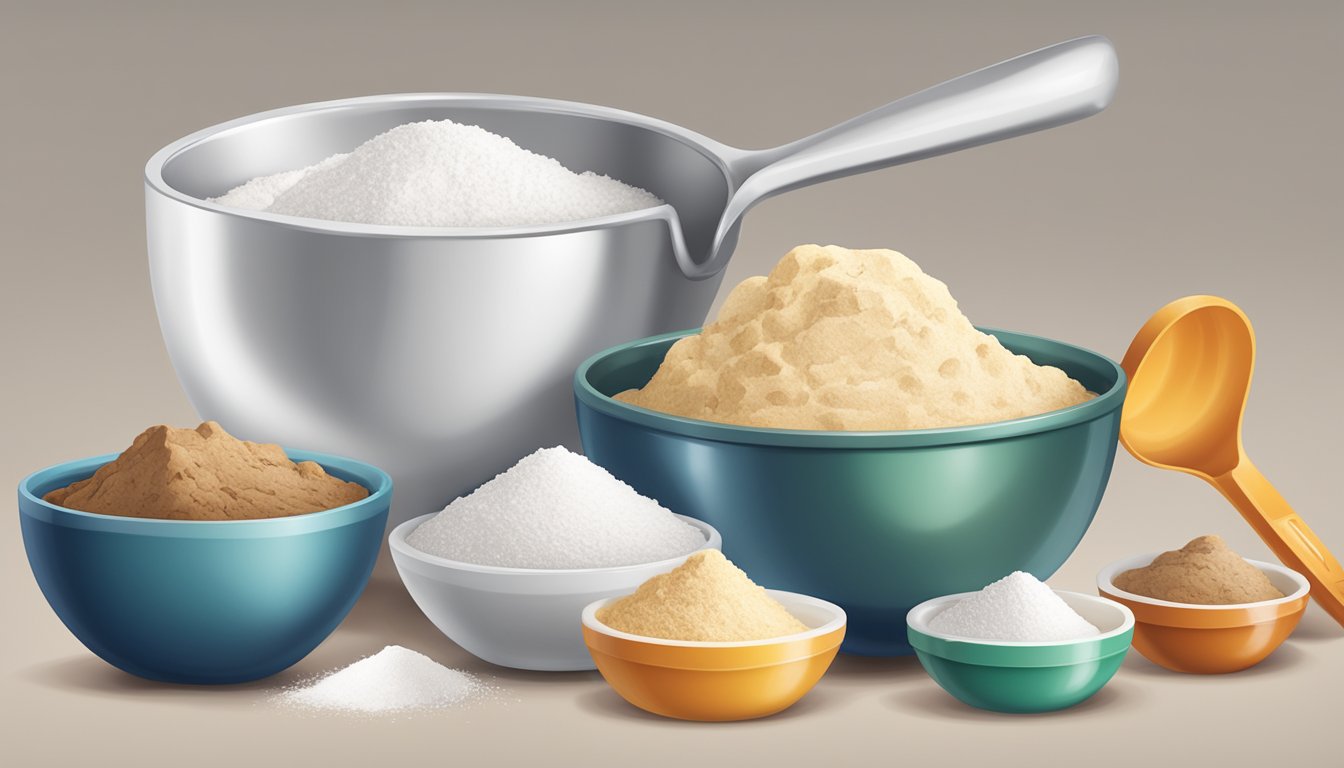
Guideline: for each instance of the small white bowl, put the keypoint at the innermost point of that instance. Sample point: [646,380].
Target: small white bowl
[524,618]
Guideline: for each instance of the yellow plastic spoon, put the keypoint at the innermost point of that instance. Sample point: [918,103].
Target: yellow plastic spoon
[1189,372]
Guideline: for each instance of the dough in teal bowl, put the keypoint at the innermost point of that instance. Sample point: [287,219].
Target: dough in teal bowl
[875,522]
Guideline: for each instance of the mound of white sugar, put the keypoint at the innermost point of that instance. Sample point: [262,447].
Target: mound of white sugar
[393,680]
[555,509]
[259,193]
[439,174]
[1016,608]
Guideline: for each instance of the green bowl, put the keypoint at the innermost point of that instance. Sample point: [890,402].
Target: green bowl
[1024,677]
[875,522]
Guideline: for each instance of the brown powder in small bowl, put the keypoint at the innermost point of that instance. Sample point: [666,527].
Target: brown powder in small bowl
[706,598]
[205,474]
[1203,572]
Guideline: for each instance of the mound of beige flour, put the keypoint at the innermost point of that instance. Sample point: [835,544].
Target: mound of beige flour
[835,339]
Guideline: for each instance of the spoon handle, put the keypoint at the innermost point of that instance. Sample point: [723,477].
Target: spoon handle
[1042,89]
[1296,545]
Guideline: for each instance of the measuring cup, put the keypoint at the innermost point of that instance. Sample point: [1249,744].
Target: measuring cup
[1189,372]
[444,355]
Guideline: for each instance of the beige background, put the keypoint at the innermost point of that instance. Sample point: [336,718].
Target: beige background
[1216,170]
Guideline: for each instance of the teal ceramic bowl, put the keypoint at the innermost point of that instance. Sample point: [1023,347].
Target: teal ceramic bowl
[187,601]
[875,522]
[1024,677]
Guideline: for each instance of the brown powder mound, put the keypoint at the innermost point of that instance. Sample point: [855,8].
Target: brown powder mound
[705,598]
[840,339]
[1203,572]
[205,474]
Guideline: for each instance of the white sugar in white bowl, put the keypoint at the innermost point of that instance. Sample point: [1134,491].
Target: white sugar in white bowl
[524,618]
[555,510]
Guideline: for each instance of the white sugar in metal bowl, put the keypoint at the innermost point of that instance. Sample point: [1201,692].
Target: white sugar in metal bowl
[439,173]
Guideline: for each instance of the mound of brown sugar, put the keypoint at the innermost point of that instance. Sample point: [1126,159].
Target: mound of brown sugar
[205,474]
[838,339]
[1203,572]
[705,598]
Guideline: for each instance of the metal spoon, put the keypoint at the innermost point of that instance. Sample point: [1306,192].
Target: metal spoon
[1038,90]
[1189,372]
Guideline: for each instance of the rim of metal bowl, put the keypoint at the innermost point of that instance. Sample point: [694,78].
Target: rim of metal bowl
[710,149]
[1097,407]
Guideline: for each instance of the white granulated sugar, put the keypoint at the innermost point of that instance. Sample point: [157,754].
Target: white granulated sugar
[1016,608]
[259,193]
[555,509]
[440,174]
[395,679]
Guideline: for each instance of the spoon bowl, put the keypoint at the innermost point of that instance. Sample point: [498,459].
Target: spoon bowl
[1191,371]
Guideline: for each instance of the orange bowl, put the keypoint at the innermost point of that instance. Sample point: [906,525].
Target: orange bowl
[691,680]
[1210,639]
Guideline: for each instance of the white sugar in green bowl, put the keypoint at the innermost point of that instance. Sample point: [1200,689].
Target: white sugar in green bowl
[1017,608]
[1023,676]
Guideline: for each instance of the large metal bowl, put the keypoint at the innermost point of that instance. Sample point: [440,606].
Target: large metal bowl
[442,355]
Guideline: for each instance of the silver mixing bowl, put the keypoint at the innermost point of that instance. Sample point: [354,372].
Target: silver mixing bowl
[440,355]
[444,355]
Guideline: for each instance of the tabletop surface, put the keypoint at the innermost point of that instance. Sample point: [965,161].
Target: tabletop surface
[1216,170]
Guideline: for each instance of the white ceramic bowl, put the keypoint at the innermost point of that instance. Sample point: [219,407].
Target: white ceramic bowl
[525,618]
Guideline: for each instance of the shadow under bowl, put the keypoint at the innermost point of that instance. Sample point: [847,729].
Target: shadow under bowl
[1210,639]
[206,602]
[876,522]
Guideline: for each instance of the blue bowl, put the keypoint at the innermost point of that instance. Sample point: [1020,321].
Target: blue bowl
[187,601]
[875,522]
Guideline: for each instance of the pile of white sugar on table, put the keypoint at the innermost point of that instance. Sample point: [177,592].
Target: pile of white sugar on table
[439,173]
[394,680]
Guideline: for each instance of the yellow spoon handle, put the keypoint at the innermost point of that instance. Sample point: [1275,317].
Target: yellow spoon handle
[1286,534]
